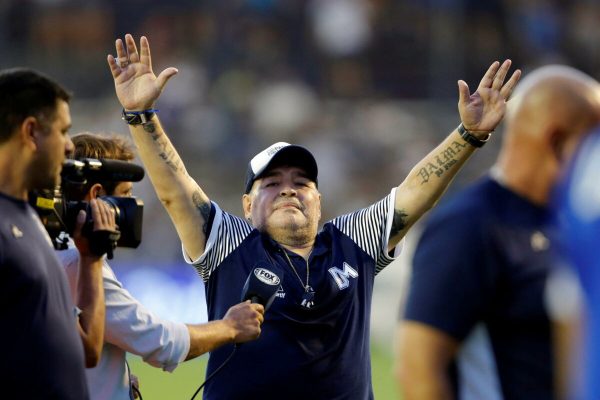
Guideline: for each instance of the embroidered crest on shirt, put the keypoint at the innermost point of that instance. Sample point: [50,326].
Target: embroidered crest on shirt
[280,293]
[16,232]
[342,277]
[539,242]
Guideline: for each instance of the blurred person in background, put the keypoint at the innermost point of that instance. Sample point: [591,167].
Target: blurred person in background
[578,208]
[476,324]
[130,327]
[315,341]
[44,356]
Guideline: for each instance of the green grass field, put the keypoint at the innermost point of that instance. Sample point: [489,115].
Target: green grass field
[156,384]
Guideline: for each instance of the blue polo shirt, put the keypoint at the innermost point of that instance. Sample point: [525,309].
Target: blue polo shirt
[316,353]
[479,275]
[42,356]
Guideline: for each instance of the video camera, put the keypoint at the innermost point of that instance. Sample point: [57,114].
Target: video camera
[59,212]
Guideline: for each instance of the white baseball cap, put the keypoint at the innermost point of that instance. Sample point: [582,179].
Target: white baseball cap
[281,153]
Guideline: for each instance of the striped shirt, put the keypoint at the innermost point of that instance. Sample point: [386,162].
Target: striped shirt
[316,353]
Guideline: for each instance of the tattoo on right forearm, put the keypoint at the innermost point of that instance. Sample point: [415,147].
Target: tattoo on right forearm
[167,152]
[203,209]
[150,127]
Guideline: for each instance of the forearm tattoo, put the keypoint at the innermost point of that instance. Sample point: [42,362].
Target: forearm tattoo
[150,127]
[442,162]
[167,152]
[203,208]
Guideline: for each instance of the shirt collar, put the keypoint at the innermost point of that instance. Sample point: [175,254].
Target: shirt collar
[322,242]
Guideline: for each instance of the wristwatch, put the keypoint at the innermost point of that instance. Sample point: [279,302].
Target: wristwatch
[138,117]
[471,139]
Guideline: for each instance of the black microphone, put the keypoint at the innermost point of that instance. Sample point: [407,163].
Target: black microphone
[117,170]
[79,171]
[261,287]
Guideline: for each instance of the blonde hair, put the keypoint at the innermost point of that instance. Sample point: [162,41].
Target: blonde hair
[110,146]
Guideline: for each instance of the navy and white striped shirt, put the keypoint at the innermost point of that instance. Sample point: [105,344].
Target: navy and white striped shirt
[317,353]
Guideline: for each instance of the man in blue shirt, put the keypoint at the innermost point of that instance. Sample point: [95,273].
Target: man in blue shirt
[43,357]
[476,324]
[315,338]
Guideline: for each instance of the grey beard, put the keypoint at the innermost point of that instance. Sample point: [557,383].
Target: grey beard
[292,235]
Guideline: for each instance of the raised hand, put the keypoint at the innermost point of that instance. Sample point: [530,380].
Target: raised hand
[483,110]
[135,83]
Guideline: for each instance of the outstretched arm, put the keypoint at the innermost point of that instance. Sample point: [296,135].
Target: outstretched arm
[240,324]
[138,89]
[480,113]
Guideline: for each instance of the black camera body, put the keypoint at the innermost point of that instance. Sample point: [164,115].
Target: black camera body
[59,212]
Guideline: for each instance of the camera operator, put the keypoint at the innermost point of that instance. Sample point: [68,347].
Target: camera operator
[130,327]
[43,356]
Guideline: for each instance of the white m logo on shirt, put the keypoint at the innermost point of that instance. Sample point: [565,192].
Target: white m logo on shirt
[342,277]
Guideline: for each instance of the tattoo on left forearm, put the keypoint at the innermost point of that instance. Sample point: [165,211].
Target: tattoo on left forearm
[443,162]
[399,222]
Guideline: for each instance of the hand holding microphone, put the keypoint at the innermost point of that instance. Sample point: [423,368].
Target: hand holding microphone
[245,320]
[257,296]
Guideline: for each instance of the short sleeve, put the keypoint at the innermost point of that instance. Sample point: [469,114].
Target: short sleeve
[226,232]
[370,229]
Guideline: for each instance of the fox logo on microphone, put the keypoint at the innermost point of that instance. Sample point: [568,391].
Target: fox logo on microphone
[266,276]
[261,287]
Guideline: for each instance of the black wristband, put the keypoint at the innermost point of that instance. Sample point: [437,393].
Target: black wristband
[138,117]
[471,139]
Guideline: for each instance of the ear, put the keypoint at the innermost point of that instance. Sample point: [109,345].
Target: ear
[29,133]
[247,206]
[557,140]
[95,191]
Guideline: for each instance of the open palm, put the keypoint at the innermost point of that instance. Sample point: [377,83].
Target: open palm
[483,110]
[135,83]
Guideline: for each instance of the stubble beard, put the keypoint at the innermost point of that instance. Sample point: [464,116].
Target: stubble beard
[290,232]
[42,176]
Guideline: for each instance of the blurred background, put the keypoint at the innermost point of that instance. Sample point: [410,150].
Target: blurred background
[368,85]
